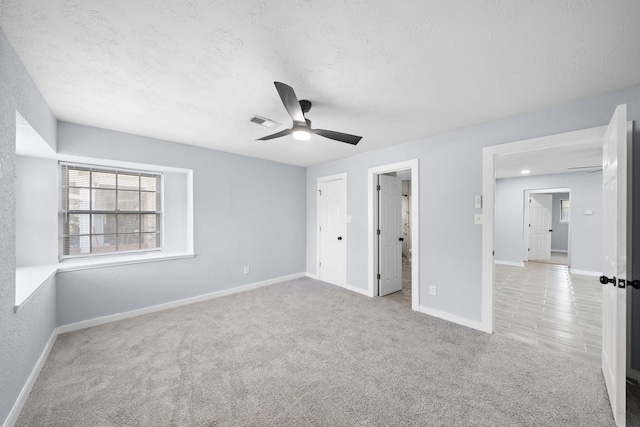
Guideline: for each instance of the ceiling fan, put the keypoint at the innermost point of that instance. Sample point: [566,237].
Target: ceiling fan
[301,129]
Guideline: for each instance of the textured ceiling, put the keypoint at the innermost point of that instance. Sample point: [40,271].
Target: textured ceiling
[195,71]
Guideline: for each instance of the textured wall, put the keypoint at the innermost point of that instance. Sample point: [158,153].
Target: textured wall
[560,236]
[450,175]
[246,212]
[586,230]
[24,334]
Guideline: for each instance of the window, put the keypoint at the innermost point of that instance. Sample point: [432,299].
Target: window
[564,210]
[106,211]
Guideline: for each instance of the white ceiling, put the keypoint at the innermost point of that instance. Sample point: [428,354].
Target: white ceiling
[195,71]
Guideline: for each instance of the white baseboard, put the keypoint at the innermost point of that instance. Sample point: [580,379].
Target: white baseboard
[311,276]
[514,264]
[134,313]
[474,324]
[585,272]
[562,251]
[360,291]
[33,376]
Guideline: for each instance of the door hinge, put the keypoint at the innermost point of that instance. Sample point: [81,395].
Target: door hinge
[378,187]
[379,276]
[320,264]
[493,253]
[320,192]
[529,225]
[529,249]
[320,228]
[378,231]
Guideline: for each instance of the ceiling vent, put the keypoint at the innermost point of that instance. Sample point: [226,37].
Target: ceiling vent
[264,122]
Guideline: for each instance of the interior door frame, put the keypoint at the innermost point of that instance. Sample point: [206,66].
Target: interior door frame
[372,180]
[488,193]
[525,223]
[319,181]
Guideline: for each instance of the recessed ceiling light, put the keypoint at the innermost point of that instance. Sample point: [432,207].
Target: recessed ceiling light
[525,171]
[264,122]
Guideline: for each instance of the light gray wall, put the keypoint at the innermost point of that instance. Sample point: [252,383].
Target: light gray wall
[560,235]
[586,230]
[37,204]
[450,176]
[23,335]
[246,212]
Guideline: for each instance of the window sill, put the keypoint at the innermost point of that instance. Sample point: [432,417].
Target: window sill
[30,279]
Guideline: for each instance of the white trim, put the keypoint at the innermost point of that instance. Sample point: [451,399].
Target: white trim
[107,261]
[514,264]
[14,413]
[474,324]
[372,260]
[360,291]
[488,194]
[585,272]
[345,200]
[562,251]
[179,303]
[311,275]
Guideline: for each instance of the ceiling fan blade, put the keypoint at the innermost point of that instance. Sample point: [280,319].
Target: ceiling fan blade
[290,101]
[338,136]
[276,135]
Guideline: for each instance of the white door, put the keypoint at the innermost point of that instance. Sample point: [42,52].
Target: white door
[389,225]
[540,206]
[614,298]
[332,232]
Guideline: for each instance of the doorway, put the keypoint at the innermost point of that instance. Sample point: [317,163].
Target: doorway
[408,170]
[332,230]
[557,203]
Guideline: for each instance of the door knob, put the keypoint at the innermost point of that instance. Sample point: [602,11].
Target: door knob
[339,237]
[401,239]
[604,280]
[634,283]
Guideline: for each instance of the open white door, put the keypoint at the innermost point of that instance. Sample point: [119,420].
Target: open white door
[614,298]
[332,232]
[540,206]
[390,234]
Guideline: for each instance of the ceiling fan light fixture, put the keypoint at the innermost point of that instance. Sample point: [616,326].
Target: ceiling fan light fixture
[301,134]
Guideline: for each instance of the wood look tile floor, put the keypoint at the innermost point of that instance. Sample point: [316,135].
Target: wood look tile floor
[403,296]
[543,304]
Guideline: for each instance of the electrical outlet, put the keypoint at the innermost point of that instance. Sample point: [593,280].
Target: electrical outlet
[432,290]
[247,269]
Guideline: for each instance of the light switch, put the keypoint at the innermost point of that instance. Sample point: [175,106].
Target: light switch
[348,219]
[478,201]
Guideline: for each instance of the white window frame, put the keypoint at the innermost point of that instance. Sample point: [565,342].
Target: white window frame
[64,210]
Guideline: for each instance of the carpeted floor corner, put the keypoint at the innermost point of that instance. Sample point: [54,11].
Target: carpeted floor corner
[304,353]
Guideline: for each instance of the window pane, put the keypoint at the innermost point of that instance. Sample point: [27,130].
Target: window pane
[103,180]
[128,223]
[128,182]
[148,201]
[79,245]
[104,243]
[128,200]
[149,223]
[78,224]
[104,200]
[148,183]
[128,242]
[103,223]
[149,241]
[78,199]
[78,178]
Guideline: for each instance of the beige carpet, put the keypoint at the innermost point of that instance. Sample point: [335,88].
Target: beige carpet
[304,353]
